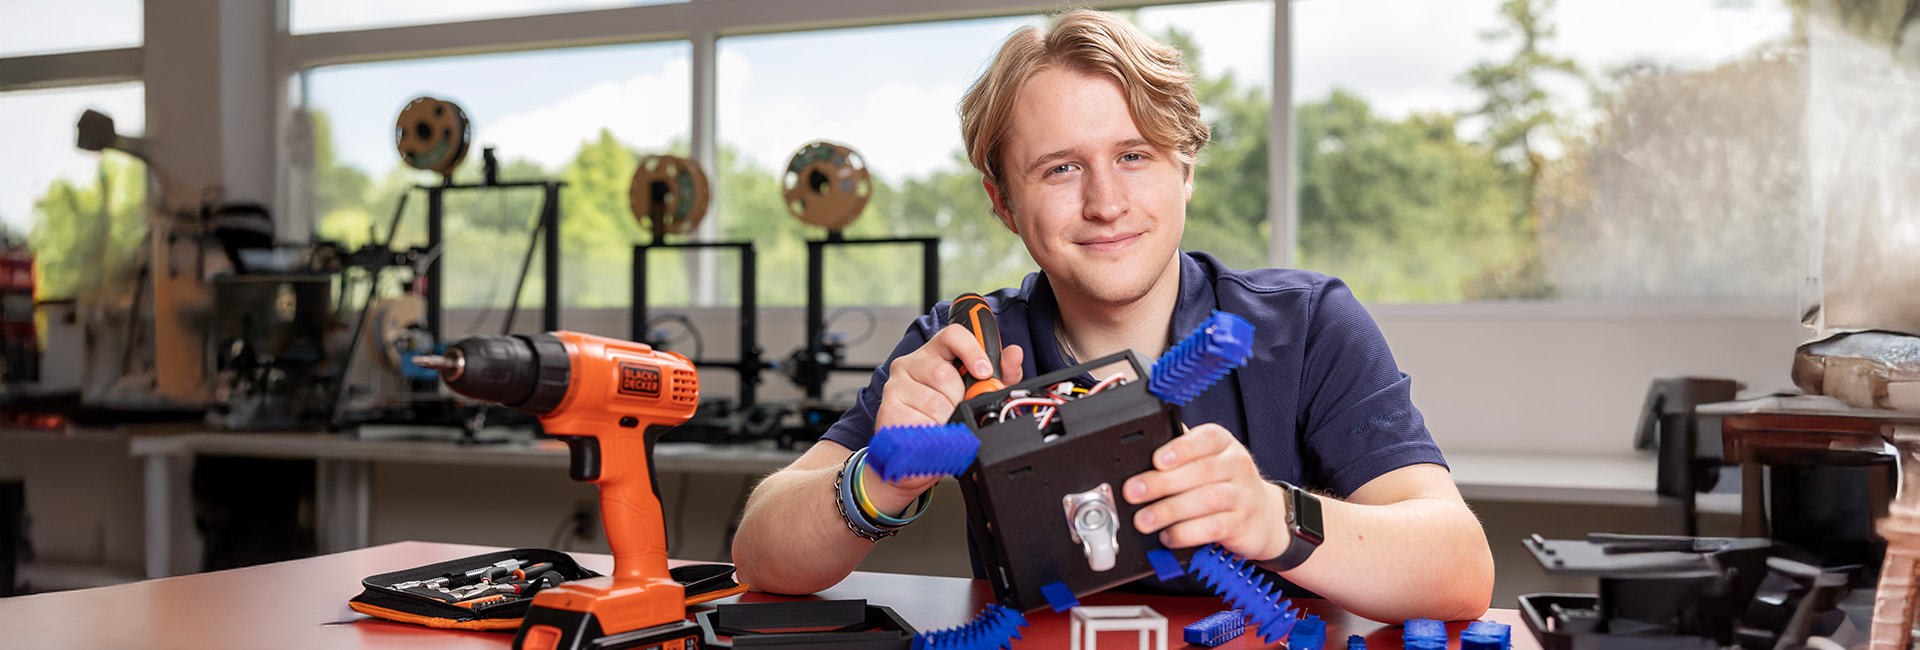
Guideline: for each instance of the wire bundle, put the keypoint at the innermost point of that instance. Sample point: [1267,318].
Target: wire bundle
[1220,344]
[1042,406]
[1234,578]
[900,452]
[995,628]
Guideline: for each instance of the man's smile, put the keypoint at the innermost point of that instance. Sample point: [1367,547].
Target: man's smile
[1109,243]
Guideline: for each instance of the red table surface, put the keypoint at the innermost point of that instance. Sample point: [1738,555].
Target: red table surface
[303,604]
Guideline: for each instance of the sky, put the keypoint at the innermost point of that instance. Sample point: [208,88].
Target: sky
[882,90]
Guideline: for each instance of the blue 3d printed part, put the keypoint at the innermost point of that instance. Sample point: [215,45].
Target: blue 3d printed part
[1484,635]
[1059,596]
[1216,629]
[1220,344]
[1356,642]
[1310,633]
[1165,565]
[900,452]
[1241,586]
[1424,634]
[994,629]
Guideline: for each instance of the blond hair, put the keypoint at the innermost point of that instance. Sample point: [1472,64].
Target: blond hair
[1158,87]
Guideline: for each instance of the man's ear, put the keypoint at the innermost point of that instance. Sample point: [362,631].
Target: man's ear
[1187,186]
[1000,208]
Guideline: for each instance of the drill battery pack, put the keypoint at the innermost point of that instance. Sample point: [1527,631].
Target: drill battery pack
[492,591]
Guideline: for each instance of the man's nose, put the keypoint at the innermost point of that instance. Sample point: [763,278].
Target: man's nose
[1104,195]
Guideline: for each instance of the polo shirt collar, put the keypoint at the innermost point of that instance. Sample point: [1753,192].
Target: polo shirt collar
[1191,308]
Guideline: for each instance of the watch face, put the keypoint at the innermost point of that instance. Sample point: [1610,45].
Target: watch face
[1306,516]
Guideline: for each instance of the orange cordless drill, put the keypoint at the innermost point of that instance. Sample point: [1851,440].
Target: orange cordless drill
[609,400]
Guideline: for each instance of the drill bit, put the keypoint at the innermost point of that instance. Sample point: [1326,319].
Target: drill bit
[433,362]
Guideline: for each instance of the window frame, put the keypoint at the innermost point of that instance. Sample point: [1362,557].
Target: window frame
[703,22]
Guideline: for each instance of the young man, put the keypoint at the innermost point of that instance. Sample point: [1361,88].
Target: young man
[1086,134]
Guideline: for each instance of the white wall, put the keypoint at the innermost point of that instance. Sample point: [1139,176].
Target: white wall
[1513,378]
[1570,379]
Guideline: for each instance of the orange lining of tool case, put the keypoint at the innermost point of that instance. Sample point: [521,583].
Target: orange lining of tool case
[378,598]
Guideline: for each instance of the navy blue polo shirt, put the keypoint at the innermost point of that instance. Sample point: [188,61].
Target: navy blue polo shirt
[1321,404]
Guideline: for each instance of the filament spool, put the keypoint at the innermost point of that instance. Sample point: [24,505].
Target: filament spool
[389,330]
[826,185]
[432,134]
[669,195]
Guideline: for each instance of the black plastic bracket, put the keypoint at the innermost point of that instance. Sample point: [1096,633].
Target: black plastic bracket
[853,625]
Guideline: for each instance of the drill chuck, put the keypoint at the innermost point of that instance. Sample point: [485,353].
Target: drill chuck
[524,372]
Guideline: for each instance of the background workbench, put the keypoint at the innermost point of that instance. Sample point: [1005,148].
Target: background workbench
[126,496]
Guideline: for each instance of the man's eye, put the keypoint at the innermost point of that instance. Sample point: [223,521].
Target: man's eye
[1060,169]
[1130,157]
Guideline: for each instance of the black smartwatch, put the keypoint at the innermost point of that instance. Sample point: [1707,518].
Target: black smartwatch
[1303,521]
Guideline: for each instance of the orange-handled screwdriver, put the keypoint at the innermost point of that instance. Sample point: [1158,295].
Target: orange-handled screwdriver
[971,311]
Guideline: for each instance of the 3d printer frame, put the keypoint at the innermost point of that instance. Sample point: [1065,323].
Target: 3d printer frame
[747,362]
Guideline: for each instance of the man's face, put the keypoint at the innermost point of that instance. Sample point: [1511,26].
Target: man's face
[1099,208]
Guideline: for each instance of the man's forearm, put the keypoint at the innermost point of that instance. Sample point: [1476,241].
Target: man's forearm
[1418,558]
[792,539]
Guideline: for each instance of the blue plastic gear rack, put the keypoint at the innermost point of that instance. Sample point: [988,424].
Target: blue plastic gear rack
[1424,634]
[994,629]
[1219,345]
[1310,633]
[901,452]
[1238,583]
[1216,629]
[1485,635]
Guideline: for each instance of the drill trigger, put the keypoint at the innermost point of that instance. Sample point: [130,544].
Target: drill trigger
[583,453]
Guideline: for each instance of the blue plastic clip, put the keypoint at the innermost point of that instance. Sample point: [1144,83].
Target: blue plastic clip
[993,629]
[900,452]
[1216,629]
[1310,633]
[1220,344]
[1485,635]
[1165,565]
[1424,634]
[1356,642]
[1059,596]
[1235,579]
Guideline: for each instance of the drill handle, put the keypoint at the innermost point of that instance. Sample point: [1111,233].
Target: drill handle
[629,494]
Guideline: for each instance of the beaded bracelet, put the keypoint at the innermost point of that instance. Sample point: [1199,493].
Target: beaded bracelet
[873,513]
[850,508]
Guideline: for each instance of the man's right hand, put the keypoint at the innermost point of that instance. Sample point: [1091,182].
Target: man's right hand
[923,387]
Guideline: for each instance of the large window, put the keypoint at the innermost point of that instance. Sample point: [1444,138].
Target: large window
[81,212]
[1230,49]
[882,92]
[885,93]
[581,116]
[337,15]
[1634,150]
[30,27]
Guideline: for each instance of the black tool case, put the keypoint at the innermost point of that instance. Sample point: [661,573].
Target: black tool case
[378,598]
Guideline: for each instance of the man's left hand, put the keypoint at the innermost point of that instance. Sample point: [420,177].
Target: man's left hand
[1209,490]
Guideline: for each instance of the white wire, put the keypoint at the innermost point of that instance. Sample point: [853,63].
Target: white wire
[1024,401]
[1105,383]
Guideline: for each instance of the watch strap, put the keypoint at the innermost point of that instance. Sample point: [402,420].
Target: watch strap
[1300,547]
